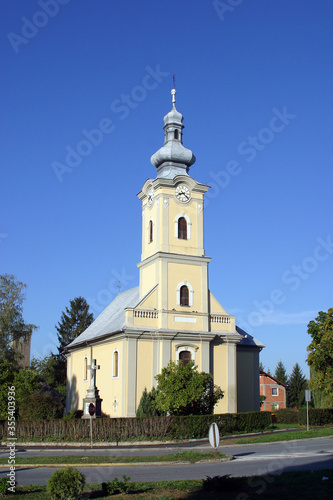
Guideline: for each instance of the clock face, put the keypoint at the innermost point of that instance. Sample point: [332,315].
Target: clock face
[183,193]
[150,196]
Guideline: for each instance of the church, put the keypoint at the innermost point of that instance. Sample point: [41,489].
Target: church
[172,315]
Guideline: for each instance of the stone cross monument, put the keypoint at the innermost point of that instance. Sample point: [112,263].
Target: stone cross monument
[92,393]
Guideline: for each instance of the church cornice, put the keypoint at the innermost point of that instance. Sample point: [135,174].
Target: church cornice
[160,182]
[175,257]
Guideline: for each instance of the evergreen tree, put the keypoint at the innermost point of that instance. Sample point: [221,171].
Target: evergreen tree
[12,325]
[281,373]
[297,386]
[146,406]
[73,322]
[261,367]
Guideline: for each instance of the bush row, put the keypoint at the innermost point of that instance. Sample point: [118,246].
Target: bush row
[317,416]
[135,429]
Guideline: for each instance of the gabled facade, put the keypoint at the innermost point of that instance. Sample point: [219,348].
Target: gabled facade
[172,314]
[274,392]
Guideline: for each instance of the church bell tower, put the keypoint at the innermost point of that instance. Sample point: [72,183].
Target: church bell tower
[173,256]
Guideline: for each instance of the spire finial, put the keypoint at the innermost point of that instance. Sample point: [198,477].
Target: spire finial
[173,91]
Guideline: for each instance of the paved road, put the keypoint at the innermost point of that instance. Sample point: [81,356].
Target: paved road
[264,459]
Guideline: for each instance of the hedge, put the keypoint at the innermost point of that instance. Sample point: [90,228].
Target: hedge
[135,429]
[287,416]
[317,416]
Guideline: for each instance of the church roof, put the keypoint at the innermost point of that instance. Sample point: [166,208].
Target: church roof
[112,319]
[248,340]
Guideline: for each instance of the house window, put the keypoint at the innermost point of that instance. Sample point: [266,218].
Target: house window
[115,370]
[150,231]
[184,296]
[85,368]
[182,228]
[185,357]
[274,391]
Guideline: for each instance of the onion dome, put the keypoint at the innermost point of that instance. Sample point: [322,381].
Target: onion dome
[173,158]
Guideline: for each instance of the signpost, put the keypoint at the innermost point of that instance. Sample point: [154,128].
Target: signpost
[214,436]
[92,410]
[307,399]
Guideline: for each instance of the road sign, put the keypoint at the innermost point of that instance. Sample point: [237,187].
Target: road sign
[307,395]
[92,409]
[214,436]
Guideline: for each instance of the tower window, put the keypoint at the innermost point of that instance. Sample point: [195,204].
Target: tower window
[184,296]
[182,228]
[185,357]
[115,364]
[151,234]
[176,134]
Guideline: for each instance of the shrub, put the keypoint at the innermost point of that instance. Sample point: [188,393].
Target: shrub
[66,484]
[116,487]
[40,406]
[135,429]
[287,416]
[317,416]
[4,485]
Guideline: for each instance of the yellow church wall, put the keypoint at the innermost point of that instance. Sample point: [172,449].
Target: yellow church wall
[181,321]
[193,347]
[181,246]
[177,273]
[150,213]
[215,306]
[220,362]
[150,301]
[148,278]
[145,322]
[109,387]
[79,386]
[144,367]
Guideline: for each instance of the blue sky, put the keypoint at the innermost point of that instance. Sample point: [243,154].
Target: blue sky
[254,83]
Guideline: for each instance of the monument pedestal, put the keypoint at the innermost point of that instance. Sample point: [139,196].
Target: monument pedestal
[92,394]
[97,402]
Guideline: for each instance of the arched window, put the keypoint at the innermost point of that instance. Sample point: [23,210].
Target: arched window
[85,368]
[185,357]
[176,134]
[182,228]
[184,296]
[115,364]
[150,231]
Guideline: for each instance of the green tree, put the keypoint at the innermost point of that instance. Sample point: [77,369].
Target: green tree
[261,367]
[146,406]
[182,390]
[320,357]
[73,322]
[297,386]
[12,324]
[281,373]
[26,382]
[6,380]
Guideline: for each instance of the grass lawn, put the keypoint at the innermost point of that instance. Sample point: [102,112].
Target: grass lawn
[286,436]
[184,456]
[289,486]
